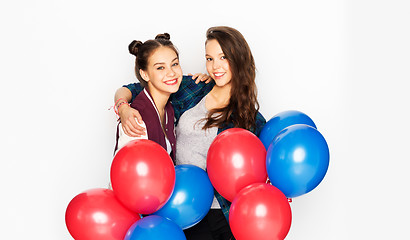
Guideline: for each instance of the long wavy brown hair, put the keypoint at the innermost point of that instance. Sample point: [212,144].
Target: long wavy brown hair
[243,104]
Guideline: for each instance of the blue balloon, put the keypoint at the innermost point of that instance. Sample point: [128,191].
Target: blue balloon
[281,121]
[297,160]
[154,228]
[192,197]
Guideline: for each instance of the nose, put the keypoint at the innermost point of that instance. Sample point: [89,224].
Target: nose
[170,72]
[216,64]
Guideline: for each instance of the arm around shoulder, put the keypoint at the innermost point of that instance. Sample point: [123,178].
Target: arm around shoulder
[134,88]
[128,115]
[122,93]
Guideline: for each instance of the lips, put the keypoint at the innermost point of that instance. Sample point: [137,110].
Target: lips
[172,81]
[218,75]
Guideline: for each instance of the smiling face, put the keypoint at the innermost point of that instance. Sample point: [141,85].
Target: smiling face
[216,64]
[163,74]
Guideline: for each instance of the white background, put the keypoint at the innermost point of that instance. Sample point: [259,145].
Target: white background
[343,63]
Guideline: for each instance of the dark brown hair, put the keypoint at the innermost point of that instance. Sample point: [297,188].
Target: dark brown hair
[243,104]
[142,52]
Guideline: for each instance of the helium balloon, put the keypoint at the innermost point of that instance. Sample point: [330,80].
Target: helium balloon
[297,160]
[236,158]
[192,197]
[154,228]
[142,176]
[97,214]
[260,211]
[281,121]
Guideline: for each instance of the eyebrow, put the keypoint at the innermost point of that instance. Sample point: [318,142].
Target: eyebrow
[161,63]
[219,54]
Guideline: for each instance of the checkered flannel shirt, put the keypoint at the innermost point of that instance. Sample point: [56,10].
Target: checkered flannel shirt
[189,95]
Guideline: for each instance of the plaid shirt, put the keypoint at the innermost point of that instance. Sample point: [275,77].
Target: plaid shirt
[189,95]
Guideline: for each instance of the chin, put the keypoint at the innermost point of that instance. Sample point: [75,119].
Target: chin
[174,89]
[222,83]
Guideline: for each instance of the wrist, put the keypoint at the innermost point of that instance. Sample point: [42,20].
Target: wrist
[118,104]
[121,107]
[119,101]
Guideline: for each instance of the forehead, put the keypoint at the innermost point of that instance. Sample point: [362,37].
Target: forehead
[212,47]
[162,55]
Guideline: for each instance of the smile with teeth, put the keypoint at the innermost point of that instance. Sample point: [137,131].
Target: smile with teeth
[218,75]
[172,81]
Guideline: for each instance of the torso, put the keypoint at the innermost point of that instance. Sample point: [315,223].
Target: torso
[161,132]
[192,141]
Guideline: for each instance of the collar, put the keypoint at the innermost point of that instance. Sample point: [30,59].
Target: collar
[148,94]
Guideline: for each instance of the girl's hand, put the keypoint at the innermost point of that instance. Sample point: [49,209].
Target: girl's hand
[201,77]
[128,117]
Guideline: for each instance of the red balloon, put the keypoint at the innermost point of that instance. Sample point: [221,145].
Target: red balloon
[97,214]
[236,158]
[260,211]
[143,176]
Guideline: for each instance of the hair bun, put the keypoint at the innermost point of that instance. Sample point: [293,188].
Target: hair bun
[133,47]
[164,36]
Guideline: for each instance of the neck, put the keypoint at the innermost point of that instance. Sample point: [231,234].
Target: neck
[160,98]
[221,95]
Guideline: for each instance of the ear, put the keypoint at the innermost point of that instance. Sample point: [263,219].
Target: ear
[144,75]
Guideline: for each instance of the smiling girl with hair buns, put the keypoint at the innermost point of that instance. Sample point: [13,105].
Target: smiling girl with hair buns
[158,71]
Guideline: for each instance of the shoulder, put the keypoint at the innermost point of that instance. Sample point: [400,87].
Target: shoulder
[260,119]
[186,81]
[131,86]
[135,89]
[188,85]
[140,102]
[260,122]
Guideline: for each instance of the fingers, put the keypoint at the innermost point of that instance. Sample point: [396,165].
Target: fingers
[132,128]
[196,77]
[200,77]
[135,127]
[137,115]
[127,131]
[129,117]
[205,78]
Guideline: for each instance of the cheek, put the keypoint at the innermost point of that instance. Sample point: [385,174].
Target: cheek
[226,67]
[178,70]
[208,67]
[157,77]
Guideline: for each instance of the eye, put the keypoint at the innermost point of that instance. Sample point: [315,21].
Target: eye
[208,59]
[160,68]
[175,64]
[223,57]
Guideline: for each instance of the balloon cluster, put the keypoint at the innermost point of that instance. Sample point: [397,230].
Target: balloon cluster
[290,151]
[290,154]
[144,182]
[297,153]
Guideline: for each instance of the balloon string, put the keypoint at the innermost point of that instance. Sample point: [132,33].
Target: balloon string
[268,182]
